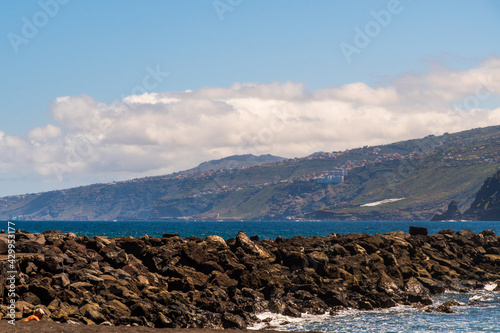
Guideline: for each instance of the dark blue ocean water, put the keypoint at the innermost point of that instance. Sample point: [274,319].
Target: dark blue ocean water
[228,230]
[483,318]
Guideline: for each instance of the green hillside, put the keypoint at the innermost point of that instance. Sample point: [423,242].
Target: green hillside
[425,174]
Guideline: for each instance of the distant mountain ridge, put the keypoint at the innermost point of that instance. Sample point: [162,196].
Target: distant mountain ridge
[424,175]
[234,162]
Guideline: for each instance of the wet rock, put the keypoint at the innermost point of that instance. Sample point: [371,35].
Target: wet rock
[443,308]
[365,305]
[433,286]
[417,293]
[292,312]
[277,306]
[230,320]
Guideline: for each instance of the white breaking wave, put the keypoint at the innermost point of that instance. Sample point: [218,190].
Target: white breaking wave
[490,286]
[467,318]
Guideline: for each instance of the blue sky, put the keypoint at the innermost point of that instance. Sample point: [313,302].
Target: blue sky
[105,50]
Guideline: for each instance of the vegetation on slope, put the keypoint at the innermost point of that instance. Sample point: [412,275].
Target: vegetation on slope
[428,173]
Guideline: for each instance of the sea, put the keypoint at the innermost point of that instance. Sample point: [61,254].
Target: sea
[484,317]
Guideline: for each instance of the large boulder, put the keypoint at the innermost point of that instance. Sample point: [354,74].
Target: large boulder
[93,312]
[250,247]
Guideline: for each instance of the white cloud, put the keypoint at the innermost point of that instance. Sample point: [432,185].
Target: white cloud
[157,133]
[44,133]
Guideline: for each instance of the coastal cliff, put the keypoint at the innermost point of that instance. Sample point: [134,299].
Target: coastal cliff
[485,207]
[213,283]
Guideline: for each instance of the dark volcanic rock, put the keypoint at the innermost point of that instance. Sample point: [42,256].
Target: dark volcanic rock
[418,231]
[452,214]
[213,283]
[486,206]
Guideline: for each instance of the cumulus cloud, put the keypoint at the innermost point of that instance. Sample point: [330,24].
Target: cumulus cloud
[44,133]
[157,133]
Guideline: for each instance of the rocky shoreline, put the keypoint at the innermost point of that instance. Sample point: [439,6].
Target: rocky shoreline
[170,282]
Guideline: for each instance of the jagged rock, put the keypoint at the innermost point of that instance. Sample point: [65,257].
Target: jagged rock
[141,309]
[432,285]
[44,292]
[448,232]
[365,305]
[53,262]
[451,214]
[4,246]
[121,291]
[117,308]
[292,312]
[443,308]
[222,280]
[59,315]
[216,240]
[249,246]
[294,260]
[92,312]
[31,298]
[163,321]
[417,292]
[117,259]
[230,320]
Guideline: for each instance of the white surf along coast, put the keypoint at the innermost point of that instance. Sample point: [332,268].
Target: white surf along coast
[479,310]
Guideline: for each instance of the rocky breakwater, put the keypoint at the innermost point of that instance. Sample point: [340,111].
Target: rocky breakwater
[213,283]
